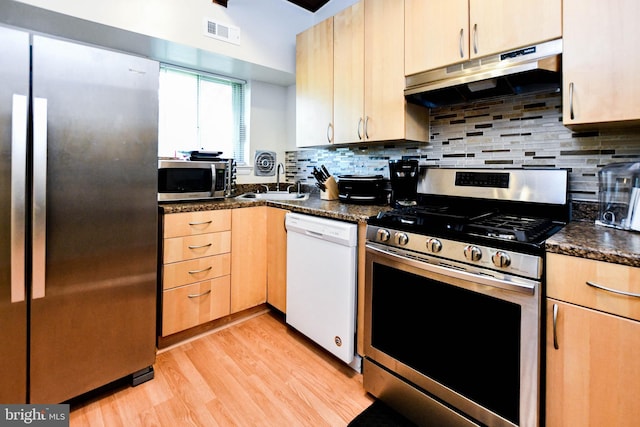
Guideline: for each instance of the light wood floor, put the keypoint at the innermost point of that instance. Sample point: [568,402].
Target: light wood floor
[258,372]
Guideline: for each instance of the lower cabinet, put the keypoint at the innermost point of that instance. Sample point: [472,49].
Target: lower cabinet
[221,262]
[248,257]
[195,270]
[593,343]
[277,259]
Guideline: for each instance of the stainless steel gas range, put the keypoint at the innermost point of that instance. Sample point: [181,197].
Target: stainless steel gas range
[453,296]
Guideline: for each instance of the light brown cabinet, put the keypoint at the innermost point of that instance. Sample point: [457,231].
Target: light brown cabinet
[277,258]
[314,85]
[367,80]
[439,33]
[348,78]
[196,266]
[369,103]
[600,63]
[593,343]
[248,257]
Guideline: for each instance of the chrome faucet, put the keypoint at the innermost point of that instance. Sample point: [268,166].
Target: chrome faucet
[298,184]
[280,165]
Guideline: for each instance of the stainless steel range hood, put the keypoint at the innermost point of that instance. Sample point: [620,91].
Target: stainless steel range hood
[527,70]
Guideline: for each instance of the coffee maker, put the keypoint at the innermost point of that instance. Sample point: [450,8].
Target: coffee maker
[403,176]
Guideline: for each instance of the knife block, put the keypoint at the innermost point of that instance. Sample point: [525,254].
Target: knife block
[331,191]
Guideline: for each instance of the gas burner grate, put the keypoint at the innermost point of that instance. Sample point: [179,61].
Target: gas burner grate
[511,227]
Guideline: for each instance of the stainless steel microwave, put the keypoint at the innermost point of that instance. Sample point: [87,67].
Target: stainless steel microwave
[182,180]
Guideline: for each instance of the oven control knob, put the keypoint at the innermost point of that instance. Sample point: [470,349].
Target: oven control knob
[383,235]
[472,253]
[434,245]
[501,259]
[401,239]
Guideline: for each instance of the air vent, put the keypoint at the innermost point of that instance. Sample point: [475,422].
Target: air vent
[265,163]
[220,31]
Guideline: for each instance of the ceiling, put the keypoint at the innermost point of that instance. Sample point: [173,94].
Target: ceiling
[310,5]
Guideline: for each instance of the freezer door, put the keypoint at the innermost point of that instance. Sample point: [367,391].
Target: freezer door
[93,304]
[14,74]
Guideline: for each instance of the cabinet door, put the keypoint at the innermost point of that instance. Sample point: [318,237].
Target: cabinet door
[593,377]
[188,306]
[600,62]
[348,74]
[248,257]
[444,32]
[314,85]
[500,25]
[277,259]
[384,102]
[436,34]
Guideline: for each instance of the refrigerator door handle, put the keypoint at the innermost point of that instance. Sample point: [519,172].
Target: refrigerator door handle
[19,125]
[39,219]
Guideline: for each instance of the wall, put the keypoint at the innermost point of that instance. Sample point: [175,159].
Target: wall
[268,27]
[523,131]
[268,118]
[171,32]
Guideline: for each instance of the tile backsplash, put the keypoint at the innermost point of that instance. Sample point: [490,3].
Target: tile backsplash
[517,131]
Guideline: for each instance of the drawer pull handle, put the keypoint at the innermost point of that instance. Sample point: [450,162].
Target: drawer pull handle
[199,246]
[200,223]
[200,271]
[199,295]
[615,291]
[555,327]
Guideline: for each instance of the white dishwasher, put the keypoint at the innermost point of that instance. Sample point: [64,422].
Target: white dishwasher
[321,282]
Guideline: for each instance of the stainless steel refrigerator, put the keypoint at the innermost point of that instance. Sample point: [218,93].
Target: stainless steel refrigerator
[78,217]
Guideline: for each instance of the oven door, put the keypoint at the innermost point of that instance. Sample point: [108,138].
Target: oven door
[461,340]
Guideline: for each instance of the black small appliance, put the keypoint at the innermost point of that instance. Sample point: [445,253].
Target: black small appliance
[403,176]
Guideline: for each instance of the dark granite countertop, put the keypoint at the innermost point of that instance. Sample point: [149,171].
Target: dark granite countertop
[582,239]
[313,206]
[588,240]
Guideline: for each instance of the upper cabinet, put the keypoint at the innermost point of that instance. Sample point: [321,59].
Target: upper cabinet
[314,85]
[600,62]
[348,77]
[368,80]
[439,33]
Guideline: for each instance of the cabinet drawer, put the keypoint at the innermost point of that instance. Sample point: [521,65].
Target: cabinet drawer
[198,246]
[567,279]
[188,306]
[196,270]
[189,223]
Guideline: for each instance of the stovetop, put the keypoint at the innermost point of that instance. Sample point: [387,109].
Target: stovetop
[491,224]
[488,240]
[492,219]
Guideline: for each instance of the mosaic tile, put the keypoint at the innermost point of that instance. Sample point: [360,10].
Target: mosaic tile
[524,131]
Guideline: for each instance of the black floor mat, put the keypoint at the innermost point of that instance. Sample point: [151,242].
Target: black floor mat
[378,414]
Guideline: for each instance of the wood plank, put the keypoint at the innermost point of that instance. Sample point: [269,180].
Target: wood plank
[255,372]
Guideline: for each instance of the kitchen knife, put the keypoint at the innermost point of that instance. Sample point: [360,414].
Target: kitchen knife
[325,171]
[318,175]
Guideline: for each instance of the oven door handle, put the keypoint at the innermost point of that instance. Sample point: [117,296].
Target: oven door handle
[524,286]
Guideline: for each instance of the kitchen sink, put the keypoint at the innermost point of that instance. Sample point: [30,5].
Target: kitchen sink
[273,195]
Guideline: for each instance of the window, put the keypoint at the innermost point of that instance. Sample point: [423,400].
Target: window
[200,111]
